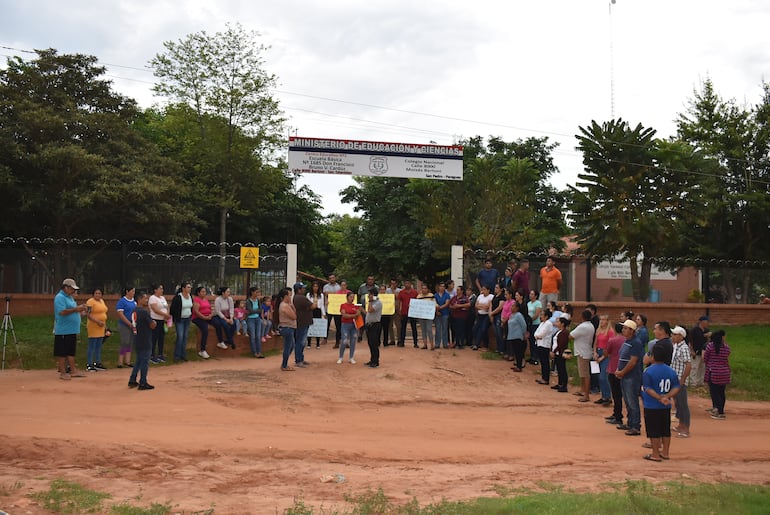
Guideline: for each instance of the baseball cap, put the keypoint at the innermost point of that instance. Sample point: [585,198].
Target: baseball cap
[630,324]
[679,330]
[71,283]
[704,318]
[299,286]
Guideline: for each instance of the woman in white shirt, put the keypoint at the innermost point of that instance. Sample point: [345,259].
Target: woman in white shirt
[181,312]
[543,335]
[158,312]
[224,312]
[481,330]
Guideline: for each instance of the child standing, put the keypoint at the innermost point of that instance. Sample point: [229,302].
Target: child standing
[659,385]
[240,318]
[144,325]
[267,320]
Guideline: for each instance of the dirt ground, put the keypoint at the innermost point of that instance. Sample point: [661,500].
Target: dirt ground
[239,435]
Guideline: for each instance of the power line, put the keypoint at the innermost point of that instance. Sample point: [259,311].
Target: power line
[403,111]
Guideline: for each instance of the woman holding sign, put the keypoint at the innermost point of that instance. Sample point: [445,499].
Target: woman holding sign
[426,325]
[349,312]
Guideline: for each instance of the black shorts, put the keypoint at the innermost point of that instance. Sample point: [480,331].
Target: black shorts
[64,345]
[657,422]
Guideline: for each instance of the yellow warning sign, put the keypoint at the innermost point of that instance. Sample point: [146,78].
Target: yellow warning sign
[249,257]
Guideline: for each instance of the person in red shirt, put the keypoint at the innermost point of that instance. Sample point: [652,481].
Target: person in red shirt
[403,298]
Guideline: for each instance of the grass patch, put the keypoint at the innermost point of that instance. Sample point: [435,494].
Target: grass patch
[634,497]
[491,355]
[67,497]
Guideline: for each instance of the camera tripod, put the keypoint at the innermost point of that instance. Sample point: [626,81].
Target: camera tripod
[8,326]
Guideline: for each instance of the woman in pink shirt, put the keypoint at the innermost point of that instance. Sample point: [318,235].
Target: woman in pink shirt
[201,317]
[603,334]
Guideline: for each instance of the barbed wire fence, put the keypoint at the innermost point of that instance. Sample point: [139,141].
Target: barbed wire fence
[37,265]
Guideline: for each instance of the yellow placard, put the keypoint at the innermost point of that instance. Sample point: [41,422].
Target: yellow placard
[249,257]
[336,300]
[388,303]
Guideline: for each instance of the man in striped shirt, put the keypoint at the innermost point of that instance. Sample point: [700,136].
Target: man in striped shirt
[682,365]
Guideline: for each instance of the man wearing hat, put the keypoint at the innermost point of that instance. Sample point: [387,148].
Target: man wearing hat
[630,374]
[699,336]
[681,363]
[304,308]
[67,314]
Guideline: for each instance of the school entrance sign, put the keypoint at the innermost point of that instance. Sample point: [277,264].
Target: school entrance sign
[375,158]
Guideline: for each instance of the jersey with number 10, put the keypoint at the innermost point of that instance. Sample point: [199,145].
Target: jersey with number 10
[661,378]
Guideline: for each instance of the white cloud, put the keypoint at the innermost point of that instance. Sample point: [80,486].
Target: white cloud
[516,69]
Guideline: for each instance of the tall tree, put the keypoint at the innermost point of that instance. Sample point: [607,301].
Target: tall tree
[391,239]
[628,204]
[735,213]
[75,165]
[223,76]
[504,202]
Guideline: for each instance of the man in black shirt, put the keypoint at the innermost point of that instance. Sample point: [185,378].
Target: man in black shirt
[699,336]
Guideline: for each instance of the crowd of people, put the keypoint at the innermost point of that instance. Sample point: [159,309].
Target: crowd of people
[618,361]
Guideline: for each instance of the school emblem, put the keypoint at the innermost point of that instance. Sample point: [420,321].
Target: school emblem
[378,165]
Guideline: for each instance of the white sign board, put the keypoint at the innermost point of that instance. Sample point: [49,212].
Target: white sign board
[318,329]
[622,270]
[422,308]
[375,159]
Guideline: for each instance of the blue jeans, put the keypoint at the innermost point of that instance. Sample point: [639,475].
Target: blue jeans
[604,379]
[288,344]
[458,326]
[227,329]
[95,350]
[141,365]
[631,385]
[182,330]
[481,331]
[254,327]
[442,331]
[203,327]
[500,343]
[300,337]
[682,407]
[349,335]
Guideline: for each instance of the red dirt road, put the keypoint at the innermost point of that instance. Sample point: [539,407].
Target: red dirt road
[238,435]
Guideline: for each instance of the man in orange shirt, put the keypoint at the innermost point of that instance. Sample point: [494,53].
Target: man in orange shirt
[550,282]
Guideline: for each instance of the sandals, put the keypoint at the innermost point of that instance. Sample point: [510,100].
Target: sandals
[650,457]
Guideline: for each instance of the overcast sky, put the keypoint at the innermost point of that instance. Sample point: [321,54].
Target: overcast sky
[419,71]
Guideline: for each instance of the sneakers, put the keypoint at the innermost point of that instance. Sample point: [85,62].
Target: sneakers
[90,368]
[352,361]
[203,354]
[133,384]
[264,339]
[146,386]
[161,359]
[339,361]
[633,432]
[99,366]
[154,361]
[301,364]
[373,365]
[718,416]
[222,345]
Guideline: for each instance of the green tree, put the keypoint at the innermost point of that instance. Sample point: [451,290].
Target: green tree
[74,163]
[504,202]
[735,213]
[222,77]
[391,240]
[628,204]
